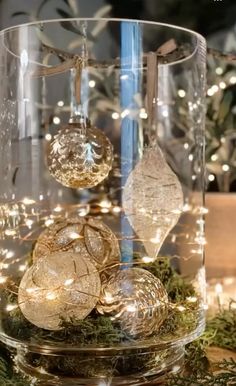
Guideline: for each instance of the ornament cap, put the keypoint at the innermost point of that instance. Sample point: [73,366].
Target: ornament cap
[80,119]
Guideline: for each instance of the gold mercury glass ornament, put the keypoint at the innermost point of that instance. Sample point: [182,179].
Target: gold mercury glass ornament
[80,155]
[62,286]
[136,299]
[87,236]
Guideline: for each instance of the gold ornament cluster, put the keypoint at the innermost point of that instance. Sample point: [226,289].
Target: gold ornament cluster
[76,268]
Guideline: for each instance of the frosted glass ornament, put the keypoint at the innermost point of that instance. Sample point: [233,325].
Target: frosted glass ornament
[136,299]
[62,286]
[88,236]
[80,156]
[152,200]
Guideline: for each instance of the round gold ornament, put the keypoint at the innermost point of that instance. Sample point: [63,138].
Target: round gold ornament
[80,156]
[65,285]
[136,299]
[87,236]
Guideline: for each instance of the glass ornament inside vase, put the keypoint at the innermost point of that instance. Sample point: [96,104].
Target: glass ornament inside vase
[79,155]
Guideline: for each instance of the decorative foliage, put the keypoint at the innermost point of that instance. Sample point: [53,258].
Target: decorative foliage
[220,332]
[220,124]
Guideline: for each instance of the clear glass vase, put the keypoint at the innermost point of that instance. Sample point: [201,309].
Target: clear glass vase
[101,216]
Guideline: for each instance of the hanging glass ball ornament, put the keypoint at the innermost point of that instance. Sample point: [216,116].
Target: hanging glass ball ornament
[136,299]
[63,286]
[80,156]
[87,236]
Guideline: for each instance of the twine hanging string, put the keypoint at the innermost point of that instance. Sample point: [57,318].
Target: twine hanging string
[163,55]
[152,82]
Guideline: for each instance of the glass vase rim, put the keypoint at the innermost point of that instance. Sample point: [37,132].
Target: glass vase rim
[200,38]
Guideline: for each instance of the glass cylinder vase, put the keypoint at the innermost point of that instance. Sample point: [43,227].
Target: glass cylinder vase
[101,213]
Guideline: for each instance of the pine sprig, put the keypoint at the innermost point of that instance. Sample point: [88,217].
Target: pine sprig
[223,329]
[221,332]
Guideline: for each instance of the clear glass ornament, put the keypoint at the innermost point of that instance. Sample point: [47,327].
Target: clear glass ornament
[87,236]
[153,209]
[80,155]
[136,299]
[62,286]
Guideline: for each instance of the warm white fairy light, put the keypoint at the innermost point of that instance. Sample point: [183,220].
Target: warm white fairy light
[222,85]
[220,292]
[60,103]
[181,308]
[175,369]
[125,113]
[202,210]
[194,177]
[131,308]
[48,137]
[165,113]
[176,211]
[58,209]
[143,114]
[115,115]
[10,232]
[233,80]
[148,259]
[41,197]
[56,120]
[74,236]
[13,212]
[214,157]
[210,92]
[186,145]
[190,157]
[225,168]
[83,211]
[215,88]
[108,298]
[116,209]
[22,267]
[51,295]
[191,299]
[142,210]
[28,201]
[48,222]
[124,77]
[105,203]
[181,93]
[187,207]
[92,83]
[9,254]
[11,307]
[219,70]
[68,282]
[3,279]
[29,222]
[211,177]
[105,210]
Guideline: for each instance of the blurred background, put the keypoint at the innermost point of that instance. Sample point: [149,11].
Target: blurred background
[216,21]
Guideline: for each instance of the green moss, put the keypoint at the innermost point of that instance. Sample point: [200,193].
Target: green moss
[177,287]
[98,330]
